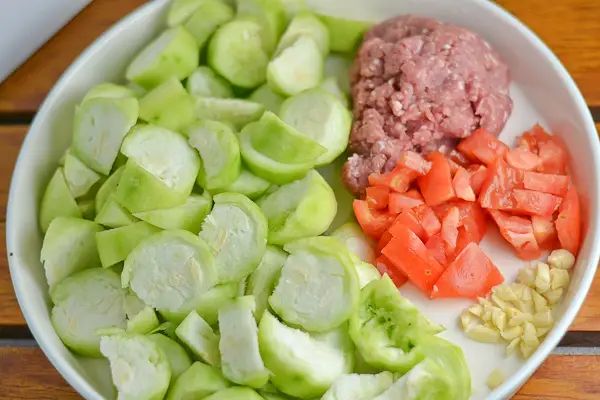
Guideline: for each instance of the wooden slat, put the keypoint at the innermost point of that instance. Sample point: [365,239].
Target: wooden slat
[23,91]
[571,28]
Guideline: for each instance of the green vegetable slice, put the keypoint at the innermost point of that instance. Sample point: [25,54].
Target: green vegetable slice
[262,281]
[69,247]
[236,52]
[356,241]
[108,187]
[236,232]
[84,302]
[248,184]
[79,177]
[366,273]
[235,393]
[181,10]
[198,381]
[113,215]
[143,321]
[271,16]
[240,357]
[86,206]
[212,301]
[168,105]
[302,365]
[318,288]
[199,337]
[302,208]
[387,328]
[188,216]
[108,90]
[57,201]
[267,97]
[114,245]
[177,356]
[306,24]
[170,270]
[138,366]
[238,112]
[321,117]
[338,66]
[203,82]
[99,128]
[207,18]
[296,68]
[219,151]
[331,85]
[344,34]
[359,387]
[173,53]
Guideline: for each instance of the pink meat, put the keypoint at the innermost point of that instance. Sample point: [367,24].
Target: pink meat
[420,84]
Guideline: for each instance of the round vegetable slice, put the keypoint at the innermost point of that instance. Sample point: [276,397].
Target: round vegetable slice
[356,241]
[270,15]
[138,366]
[207,18]
[178,358]
[306,24]
[318,287]
[296,68]
[203,82]
[240,358]
[303,365]
[267,97]
[57,201]
[173,53]
[109,90]
[236,233]
[302,208]
[236,52]
[262,281]
[235,393]
[322,117]
[196,382]
[80,178]
[181,10]
[199,337]
[359,387]
[89,300]
[170,270]
[188,216]
[219,151]
[168,105]
[238,112]
[69,247]
[115,244]
[99,127]
[344,34]
[247,184]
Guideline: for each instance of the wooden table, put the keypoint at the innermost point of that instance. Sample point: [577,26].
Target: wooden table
[570,27]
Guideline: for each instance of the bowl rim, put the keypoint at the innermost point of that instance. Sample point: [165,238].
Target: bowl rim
[508,388]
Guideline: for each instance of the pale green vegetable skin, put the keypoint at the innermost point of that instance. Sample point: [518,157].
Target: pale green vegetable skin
[235,393]
[114,215]
[322,117]
[270,14]
[262,281]
[267,97]
[318,288]
[178,358]
[108,188]
[366,273]
[219,151]
[142,322]
[277,152]
[69,247]
[85,302]
[337,65]
[139,367]
[238,112]
[80,178]
[168,105]
[236,233]
[109,90]
[114,245]
[359,387]
[207,18]
[356,241]
[181,10]
[344,34]
[57,201]
[388,329]
[198,381]
[199,337]
[248,184]
[173,53]
[332,86]
[203,82]
[302,208]
[238,345]
[306,24]
[188,216]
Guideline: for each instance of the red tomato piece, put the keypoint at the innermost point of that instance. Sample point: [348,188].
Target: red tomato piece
[496,191]
[478,175]
[554,157]
[547,183]
[436,186]
[482,146]
[458,158]
[449,231]
[385,266]
[436,247]
[401,201]
[373,222]
[523,159]
[408,253]
[462,185]
[518,231]
[472,274]
[544,232]
[464,238]
[472,218]
[429,221]
[399,179]
[377,197]
[568,222]
[531,202]
[533,137]
[408,219]
[384,240]
[414,161]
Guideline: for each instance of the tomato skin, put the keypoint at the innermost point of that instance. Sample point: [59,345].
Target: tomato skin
[377,197]
[478,174]
[372,222]
[547,183]
[436,186]
[496,191]
[473,219]
[531,202]
[472,274]
[450,224]
[482,147]
[554,157]
[385,266]
[384,240]
[523,159]
[461,182]
[545,232]
[398,179]
[400,201]
[518,231]
[437,248]
[408,219]
[568,222]
[408,253]
[429,221]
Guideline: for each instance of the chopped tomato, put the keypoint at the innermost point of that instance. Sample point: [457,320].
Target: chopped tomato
[449,231]
[437,248]
[464,238]
[408,253]
[554,157]
[472,274]
[478,175]
[462,185]
[472,218]
[531,202]
[408,219]
[496,191]
[385,266]
[523,159]
[568,222]
[377,197]
[401,201]
[458,158]
[373,222]
[518,231]
[384,240]
[547,183]
[429,221]
[398,179]
[414,161]
[544,232]
[482,146]
[436,186]
[532,137]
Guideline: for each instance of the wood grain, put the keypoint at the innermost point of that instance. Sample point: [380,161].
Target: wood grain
[23,91]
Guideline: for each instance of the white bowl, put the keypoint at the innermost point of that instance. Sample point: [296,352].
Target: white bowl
[542,90]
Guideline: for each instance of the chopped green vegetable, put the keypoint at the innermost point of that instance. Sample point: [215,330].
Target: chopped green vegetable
[262,281]
[267,97]
[178,358]
[332,86]
[188,216]
[345,34]
[247,184]
[235,393]
[199,337]
[143,321]
[359,387]
[366,273]
[168,105]
[306,24]
[338,66]
[107,188]
[203,82]
[181,10]
[57,201]
[109,90]
[207,18]
[197,382]
[271,16]
[87,208]
[238,112]
[356,241]
[114,245]
[211,302]
[79,177]
[114,215]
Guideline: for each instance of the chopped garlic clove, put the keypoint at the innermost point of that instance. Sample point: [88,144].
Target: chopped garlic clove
[519,319]
[559,278]
[499,319]
[527,276]
[543,319]
[530,335]
[504,292]
[553,296]
[542,277]
[512,333]
[498,301]
[539,302]
[495,379]
[540,332]
[526,351]
[476,309]
[512,346]
[468,320]
[562,259]
[484,334]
